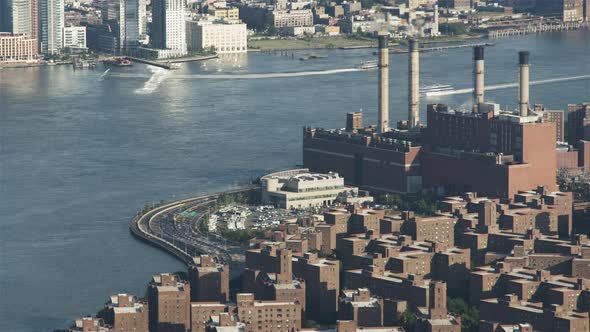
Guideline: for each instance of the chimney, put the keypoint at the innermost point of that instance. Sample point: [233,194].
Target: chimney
[523,102]
[478,76]
[413,84]
[383,84]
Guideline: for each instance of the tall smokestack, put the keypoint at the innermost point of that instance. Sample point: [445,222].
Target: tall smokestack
[523,102]
[383,84]
[413,85]
[478,76]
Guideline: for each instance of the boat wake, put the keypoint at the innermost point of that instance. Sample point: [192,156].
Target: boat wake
[101,78]
[154,81]
[237,76]
[513,85]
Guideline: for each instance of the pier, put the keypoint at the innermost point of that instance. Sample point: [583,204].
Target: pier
[161,64]
[440,48]
[171,64]
[536,29]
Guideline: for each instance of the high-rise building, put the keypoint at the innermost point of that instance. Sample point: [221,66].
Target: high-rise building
[142,12]
[51,24]
[168,26]
[20,17]
[125,16]
[132,23]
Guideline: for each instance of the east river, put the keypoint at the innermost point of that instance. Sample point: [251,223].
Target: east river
[82,151]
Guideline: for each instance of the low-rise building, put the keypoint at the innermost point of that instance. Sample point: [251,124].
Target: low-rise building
[300,31]
[268,316]
[89,324]
[74,37]
[209,279]
[301,189]
[225,13]
[169,303]
[221,35]
[18,47]
[124,312]
[292,18]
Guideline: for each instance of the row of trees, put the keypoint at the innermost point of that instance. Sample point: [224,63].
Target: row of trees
[424,204]
[455,305]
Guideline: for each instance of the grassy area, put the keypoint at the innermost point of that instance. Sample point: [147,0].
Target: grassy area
[450,39]
[312,42]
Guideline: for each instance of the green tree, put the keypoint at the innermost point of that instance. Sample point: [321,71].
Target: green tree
[469,314]
[408,320]
[367,3]
[454,29]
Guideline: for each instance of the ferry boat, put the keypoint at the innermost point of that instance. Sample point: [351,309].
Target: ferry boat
[368,65]
[435,90]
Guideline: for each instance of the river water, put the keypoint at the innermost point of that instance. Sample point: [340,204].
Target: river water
[82,151]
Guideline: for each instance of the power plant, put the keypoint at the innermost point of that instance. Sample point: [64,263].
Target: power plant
[478,76]
[523,102]
[484,149]
[383,84]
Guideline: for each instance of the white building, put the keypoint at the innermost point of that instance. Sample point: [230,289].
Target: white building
[168,26]
[51,24]
[292,18]
[300,31]
[223,36]
[300,188]
[74,37]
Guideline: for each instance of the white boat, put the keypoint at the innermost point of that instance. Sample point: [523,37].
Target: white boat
[435,90]
[368,65]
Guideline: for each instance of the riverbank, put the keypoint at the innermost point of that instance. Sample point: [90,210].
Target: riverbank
[34,64]
[311,43]
[341,42]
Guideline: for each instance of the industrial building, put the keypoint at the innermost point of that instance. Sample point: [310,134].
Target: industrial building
[485,149]
[300,188]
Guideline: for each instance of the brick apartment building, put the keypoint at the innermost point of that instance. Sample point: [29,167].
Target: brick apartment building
[125,312]
[169,303]
[209,279]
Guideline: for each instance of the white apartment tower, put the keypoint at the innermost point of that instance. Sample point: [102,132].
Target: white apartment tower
[51,24]
[168,26]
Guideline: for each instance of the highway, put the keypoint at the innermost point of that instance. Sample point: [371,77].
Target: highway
[182,237]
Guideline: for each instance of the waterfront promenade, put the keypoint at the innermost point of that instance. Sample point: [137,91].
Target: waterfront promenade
[184,239]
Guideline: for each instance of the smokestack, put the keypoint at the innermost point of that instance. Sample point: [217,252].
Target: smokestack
[383,84]
[523,102]
[413,85]
[478,76]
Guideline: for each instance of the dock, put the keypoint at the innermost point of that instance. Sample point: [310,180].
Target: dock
[441,48]
[161,64]
[537,29]
[170,64]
